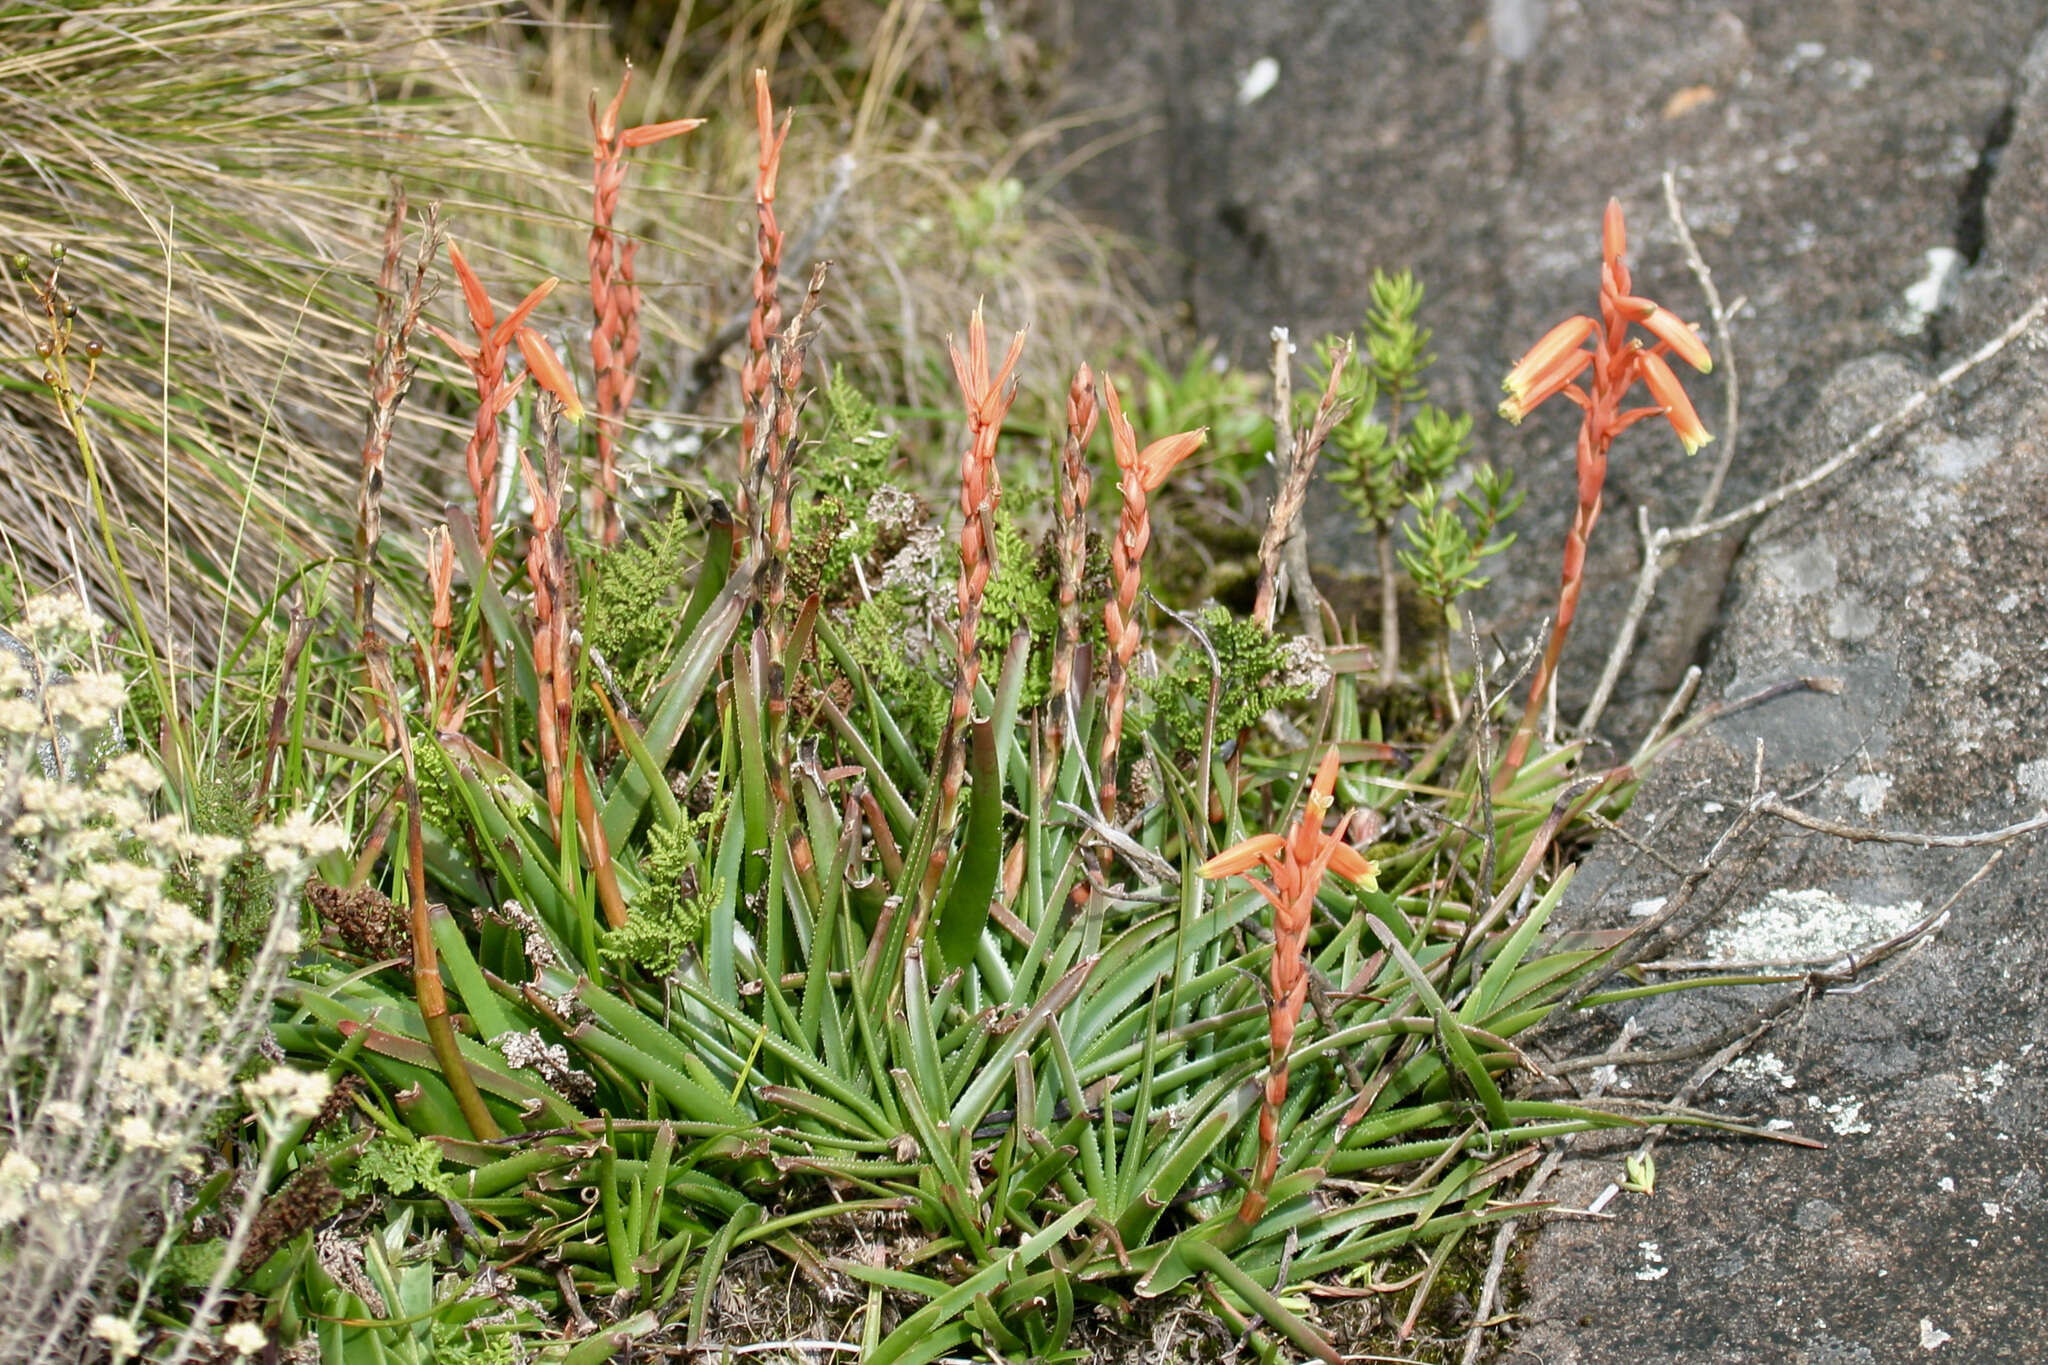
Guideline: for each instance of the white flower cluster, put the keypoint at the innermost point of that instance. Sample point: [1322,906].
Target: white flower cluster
[288,1093]
[124,1019]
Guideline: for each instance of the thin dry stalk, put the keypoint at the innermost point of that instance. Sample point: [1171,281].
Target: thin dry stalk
[1284,521]
[280,704]
[614,294]
[1071,542]
[400,298]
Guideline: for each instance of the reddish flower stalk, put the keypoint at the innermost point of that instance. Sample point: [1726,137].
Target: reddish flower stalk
[1294,865]
[756,375]
[1557,364]
[548,572]
[987,399]
[486,361]
[773,470]
[988,403]
[1071,540]
[1143,471]
[614,295]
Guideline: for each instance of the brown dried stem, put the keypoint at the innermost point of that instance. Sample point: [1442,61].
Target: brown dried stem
[1071,542]
[391,369]
[1283,522]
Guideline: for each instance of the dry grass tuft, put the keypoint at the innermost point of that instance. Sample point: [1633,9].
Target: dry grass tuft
[213,173]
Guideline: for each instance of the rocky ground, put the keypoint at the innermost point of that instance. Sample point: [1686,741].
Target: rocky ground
[1872,183]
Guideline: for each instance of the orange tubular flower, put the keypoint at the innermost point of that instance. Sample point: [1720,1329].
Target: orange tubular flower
[1295,865]
[1671,400]
[1559,350]
[1598,381]
[548,372]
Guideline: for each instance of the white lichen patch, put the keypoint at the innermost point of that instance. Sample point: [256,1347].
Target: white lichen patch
[1653,1267]
[1645,909]
[1762,1066]
[2033,779]
[1808,926]
[1931,293]
[1984,1085]
[1972,665]
[1932,1336]
[1868,791]
[1844,1116]
[1258,81]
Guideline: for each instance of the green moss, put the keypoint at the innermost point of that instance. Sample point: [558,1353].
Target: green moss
[627,607]
[852,458]
[668,918]
[1023,594]
[399,1166]
[1258,670]
[879,634]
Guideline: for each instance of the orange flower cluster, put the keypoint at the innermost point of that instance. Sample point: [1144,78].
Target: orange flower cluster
[614,295]
[1295,865]
[486,361]
[1143,471]
[1598,380]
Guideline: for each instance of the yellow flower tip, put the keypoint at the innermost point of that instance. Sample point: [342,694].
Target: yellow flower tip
[1348,863]
[1242,857]
[1512,411]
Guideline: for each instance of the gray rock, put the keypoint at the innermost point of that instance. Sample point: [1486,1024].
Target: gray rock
[1822,151]
[1874,180]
